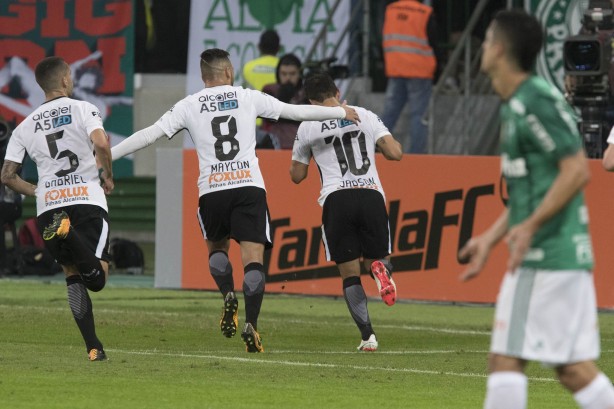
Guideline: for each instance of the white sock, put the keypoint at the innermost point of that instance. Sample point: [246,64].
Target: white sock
[506,390]
[599,394]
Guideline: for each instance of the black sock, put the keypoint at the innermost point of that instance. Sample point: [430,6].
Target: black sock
[253,291]
[81,307]
[356,300]
[86,261]
[221,271]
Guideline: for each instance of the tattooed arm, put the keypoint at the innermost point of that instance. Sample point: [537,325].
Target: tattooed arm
[14,182]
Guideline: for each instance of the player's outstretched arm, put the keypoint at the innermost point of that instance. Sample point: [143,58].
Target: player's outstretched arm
[137,141]
[103,158]
[318,113]
[608,159]
[390,147]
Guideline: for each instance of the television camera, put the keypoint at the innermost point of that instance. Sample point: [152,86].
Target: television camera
[587,59]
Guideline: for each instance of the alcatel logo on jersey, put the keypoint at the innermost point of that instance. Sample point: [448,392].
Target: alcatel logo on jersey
[52,113]
[218,97]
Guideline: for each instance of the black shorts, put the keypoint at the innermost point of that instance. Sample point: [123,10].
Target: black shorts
[355,224]
[89,221]
[241,214]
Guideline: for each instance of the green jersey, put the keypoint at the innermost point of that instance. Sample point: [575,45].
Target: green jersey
[537,131]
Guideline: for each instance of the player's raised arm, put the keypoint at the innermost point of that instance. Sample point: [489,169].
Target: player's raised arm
[318,113]
[137,141]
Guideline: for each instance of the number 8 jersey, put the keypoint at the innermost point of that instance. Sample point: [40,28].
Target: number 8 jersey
[222,123]
[344,151]
[56,137]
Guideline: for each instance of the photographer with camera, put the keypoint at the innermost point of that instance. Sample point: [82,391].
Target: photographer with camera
[589,75]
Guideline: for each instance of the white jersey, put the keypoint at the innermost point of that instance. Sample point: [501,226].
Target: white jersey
[57,138]
[344,151]
[222,123]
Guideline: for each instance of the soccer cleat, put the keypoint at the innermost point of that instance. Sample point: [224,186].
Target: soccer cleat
[230,321]
[97,355]
[251,339]
[60,226]
[385,284]
[369,345]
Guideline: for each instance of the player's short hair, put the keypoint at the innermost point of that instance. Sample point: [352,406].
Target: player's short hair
[523,35]
[212,62]
[269,42]
[320,86]
[49,72]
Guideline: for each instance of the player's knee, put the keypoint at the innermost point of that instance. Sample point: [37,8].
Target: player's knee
[95,282]
[253,282]
[219,263]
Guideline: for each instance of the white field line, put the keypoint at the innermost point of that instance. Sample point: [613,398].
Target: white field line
[345,323]
[315,364]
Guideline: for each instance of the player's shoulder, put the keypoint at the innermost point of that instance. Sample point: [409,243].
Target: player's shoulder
[536,94]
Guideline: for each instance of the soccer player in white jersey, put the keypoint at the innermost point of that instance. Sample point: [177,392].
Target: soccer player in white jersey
[232,204]
[60,136]
[354,218]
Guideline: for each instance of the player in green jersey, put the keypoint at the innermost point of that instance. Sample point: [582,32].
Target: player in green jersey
[546,309]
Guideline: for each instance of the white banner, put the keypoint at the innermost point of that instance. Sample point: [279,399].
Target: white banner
[236,25]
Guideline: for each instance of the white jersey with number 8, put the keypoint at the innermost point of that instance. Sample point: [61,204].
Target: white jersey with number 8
[222,123]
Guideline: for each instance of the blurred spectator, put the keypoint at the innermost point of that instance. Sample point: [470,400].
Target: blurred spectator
[410,47]
[288,89]
[261,71]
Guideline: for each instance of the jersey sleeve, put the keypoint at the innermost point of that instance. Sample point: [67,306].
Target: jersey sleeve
[301,151]
[266,105]
[173,120]
[552,128]
[92,119]
[376,126]
[15,150]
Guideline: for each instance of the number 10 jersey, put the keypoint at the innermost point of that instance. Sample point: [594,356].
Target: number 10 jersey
[221,121]
[56,136]
[344,151]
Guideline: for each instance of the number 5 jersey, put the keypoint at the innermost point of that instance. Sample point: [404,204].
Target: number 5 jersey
[344,151]
[56,136]
[222,124]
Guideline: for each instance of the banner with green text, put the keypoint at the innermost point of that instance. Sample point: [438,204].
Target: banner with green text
[96,37]
[236,25]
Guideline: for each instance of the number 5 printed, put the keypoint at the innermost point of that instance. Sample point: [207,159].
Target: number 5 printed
[73,160]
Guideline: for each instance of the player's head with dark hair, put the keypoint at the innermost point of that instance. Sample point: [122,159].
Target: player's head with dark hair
[269,42]
[319,86]
[215,65]
[52,73]
[521,35]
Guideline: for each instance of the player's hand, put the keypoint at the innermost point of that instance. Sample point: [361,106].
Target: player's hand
[350,113]
[519,240]
[107,183]
[476,251]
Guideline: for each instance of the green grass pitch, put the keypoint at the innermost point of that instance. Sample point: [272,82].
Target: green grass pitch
[165,351]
